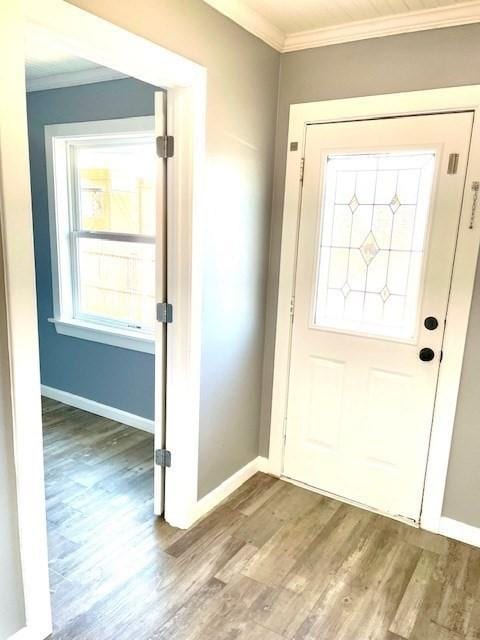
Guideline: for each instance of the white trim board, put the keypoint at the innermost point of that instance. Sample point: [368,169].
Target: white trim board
[463,277]
[73,79]
[104,335]
[459,531]
[27,633]
[423,20]
[99,409]
[438,18]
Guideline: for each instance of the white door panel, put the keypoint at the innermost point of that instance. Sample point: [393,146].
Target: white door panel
[378,227]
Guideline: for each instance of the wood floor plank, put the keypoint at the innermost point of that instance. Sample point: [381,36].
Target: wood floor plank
[347,596]
[185,622]
[280,554]
[273,562]
[327,552]
[238,563]
[254,493]
[281,610]
[408,610]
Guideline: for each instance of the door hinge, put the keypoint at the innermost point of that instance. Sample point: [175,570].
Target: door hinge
[164,312]
[163,458]
[302,169]
[165,146]
[453,159]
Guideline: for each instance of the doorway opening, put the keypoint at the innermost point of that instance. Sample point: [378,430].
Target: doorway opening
[99,219]
[87,37]
[306,314]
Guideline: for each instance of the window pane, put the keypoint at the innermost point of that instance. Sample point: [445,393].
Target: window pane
[116,187]
[372,241]
[117,281]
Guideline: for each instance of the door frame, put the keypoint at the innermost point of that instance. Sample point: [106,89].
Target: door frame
[433,101]
[88,36]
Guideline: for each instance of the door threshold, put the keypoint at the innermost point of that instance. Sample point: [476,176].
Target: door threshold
[353,503]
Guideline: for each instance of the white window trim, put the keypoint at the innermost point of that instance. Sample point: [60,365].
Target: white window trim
[115,337]
[63,319]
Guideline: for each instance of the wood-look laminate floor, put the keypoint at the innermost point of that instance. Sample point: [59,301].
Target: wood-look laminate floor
[274,562]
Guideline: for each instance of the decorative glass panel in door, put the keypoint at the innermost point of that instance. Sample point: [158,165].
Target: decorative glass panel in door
[372,242]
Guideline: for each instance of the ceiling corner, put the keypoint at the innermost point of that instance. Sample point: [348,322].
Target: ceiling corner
[251,21]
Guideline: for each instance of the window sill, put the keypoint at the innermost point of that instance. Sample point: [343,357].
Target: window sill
[105,335]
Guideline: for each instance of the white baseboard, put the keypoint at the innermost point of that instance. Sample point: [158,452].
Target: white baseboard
[99,409]
[459,531]
[27,633]
[231,484]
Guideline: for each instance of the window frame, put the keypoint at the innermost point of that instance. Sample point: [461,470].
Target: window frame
[61,140]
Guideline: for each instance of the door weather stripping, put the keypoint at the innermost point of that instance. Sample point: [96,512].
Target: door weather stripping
[453,163]
[163,458]
[165,146]
[164,312]
[292,307]
[475,189]
[302,169]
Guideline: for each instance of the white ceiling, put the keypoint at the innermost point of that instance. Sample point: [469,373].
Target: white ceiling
[48,66]
[289,25]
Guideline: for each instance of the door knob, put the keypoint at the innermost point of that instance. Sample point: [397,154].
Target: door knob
[426,354]
[430,323]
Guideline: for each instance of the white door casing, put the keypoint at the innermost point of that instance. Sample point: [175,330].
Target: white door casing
[161,296]
[360,402]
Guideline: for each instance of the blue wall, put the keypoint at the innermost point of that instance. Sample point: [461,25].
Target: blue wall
[116,377]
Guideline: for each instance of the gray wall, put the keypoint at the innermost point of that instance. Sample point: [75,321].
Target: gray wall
[241,113]
[462,496]
[117,377]
[12,615]
[423,60]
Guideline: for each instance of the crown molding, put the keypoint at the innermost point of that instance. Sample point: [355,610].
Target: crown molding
[73,78]
[465,13]
[423,20]
[250,20]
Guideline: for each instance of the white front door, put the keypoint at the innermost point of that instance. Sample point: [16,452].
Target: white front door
[380,210]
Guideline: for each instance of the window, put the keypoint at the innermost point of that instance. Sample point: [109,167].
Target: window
[101,179]
[372,242]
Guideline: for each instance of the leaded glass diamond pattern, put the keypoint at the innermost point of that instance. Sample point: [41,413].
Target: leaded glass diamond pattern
[369,248]
[374,221]
[395,203]
[346,289]
[385,294]
[353,204]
